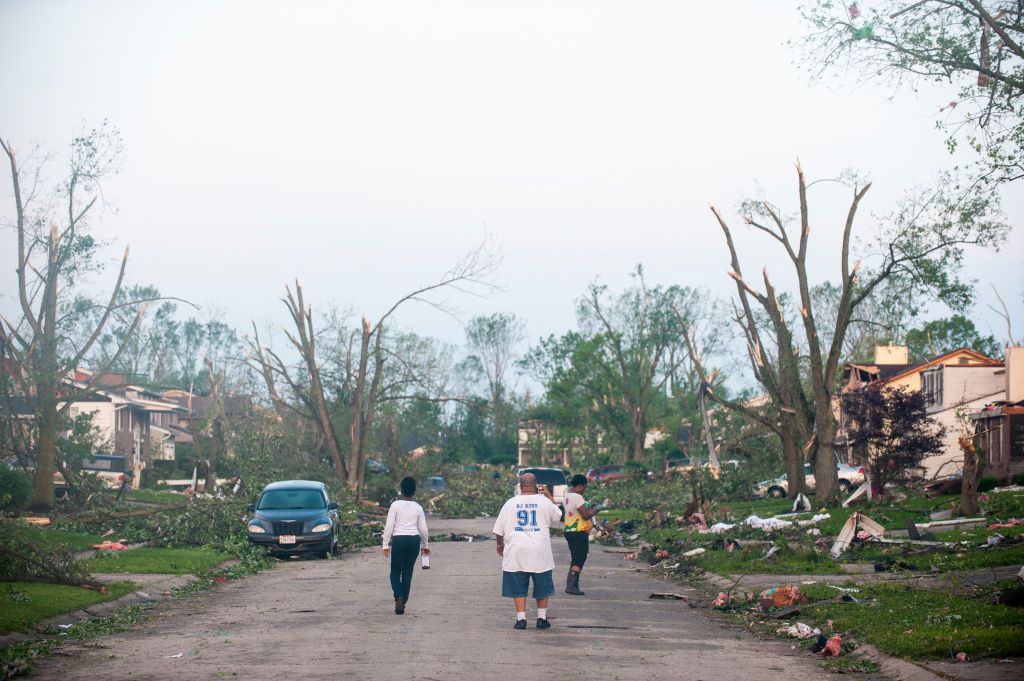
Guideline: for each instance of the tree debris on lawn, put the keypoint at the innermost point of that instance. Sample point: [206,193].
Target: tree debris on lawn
[24,560]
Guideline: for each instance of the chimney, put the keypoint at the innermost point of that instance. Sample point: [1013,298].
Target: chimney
[1014,374]
[891,354]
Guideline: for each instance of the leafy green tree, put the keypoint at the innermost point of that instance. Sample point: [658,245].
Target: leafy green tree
[951,333]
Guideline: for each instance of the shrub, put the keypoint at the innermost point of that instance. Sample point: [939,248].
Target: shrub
[15,489]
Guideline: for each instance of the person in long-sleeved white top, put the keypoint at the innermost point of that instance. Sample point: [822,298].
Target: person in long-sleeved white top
[405,537]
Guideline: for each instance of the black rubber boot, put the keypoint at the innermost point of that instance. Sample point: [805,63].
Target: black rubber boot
[572,584]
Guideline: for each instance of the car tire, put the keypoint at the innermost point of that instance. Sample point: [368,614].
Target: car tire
[776,493]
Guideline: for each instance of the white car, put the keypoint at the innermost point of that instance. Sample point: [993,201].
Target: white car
[849,477]
[553,478]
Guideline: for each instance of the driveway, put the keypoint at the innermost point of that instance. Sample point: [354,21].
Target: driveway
[334,619]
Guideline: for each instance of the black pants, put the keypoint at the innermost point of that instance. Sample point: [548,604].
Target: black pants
[579,545]
[404,550]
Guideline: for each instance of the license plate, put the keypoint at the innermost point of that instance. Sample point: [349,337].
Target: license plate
[286,539]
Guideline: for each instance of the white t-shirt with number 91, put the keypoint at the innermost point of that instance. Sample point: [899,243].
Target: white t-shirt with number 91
[525,522]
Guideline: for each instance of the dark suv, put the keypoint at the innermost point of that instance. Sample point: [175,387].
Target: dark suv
[295,516]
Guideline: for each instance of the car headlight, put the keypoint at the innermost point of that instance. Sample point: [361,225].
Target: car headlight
[322,527]
[256,529]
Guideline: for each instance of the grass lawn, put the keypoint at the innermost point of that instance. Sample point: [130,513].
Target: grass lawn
[22,604]
[50,537]
[147,560]
[916,623]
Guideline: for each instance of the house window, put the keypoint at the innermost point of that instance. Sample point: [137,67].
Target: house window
[931,386]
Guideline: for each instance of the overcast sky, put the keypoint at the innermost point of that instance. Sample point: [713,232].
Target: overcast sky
[364,146]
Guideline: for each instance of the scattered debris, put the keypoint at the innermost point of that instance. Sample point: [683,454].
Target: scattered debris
[952,524]
[833,647]
[111,546]
[1012,522]
[801,503]
[661,554]
[782,596]
[37,520]
[993,540]
[768,524]
[718,528]
[820,643]
[170,657]
[667,596]
[961,657]
[723,599]
[844,589]
[731,545]
[799,630]
[772,550]
[857,521]
[862,490]
[694,552]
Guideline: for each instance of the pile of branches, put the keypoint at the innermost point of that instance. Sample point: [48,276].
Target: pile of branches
[24,560]
[471,495]
[213,523]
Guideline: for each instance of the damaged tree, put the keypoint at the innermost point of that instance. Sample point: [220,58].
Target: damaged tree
[364,383]
[975,46]
[53,254]
[920,245]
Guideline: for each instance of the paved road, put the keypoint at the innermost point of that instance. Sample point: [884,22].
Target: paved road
[334,619]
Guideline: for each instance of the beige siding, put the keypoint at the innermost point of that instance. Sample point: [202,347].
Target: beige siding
[961,384]
[103,418]
[952,459]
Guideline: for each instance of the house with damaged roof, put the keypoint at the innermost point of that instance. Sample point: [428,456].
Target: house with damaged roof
[954,384]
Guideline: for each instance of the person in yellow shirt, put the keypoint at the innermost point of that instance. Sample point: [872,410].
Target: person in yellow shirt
[578,522]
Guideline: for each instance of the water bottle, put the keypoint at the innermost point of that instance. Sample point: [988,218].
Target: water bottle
[425,562]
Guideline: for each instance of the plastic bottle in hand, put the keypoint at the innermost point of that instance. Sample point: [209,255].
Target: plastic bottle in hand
[425,562]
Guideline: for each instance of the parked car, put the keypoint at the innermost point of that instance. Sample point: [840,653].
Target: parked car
[110,468]
[434,483]
[682,465]
[374,466]
[849,477]
[606,473]
[554,478]
[295,516]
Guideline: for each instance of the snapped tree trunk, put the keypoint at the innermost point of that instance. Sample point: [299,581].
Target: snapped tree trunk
[971,475]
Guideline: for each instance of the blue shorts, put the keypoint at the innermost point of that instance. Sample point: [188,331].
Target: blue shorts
[517,584]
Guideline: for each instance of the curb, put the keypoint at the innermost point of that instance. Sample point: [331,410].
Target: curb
[896,667]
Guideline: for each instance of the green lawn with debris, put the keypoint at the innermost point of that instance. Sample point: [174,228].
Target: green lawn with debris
[804,550]
[920,623]
[148,560]
[23,604]
[50,537]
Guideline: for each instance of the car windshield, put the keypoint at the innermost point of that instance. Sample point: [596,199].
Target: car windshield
[285,499]
[548,477]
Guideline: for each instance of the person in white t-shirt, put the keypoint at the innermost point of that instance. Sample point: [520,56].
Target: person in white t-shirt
[405,537]
[523,533]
